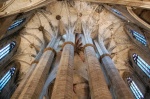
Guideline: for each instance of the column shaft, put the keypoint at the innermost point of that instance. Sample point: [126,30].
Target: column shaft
[63,88]
[28,74]
[121,90]
[36,81]
[97,81]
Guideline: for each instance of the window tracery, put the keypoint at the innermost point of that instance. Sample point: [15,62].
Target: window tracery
[5,79]
[134,88]
[16,23]
[7,49]
[139,37]
[142,64]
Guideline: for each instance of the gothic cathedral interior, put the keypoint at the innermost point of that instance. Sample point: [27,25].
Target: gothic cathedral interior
[74,49]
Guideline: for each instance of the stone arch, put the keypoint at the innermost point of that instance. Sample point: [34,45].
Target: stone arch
[24,18]
[145,79]
[133,28]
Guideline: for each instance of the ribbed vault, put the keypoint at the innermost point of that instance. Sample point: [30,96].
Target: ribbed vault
[73,22]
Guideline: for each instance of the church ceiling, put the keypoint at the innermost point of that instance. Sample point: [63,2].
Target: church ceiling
[51,18]
[102,23]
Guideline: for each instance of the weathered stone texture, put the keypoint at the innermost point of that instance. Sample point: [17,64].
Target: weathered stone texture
[36,81]
[97,83]
[63,88]
[120,89]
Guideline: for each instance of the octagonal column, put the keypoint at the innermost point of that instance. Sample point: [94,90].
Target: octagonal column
[36,81]
[63,87]
[28,74]
[120,89]
[98,85]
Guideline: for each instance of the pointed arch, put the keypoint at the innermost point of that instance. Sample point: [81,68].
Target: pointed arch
[134,88]
[133,83]
[16,23]
[117,10]
[9,77]
[140,64]
[137,36]
[12,24]
[8,47]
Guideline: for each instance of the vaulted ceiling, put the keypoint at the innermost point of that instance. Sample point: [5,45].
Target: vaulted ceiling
[97,14]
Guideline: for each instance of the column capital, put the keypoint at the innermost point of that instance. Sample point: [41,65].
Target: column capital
[50,48]
[35,62]
[68,42]
[102,56]
[88,44]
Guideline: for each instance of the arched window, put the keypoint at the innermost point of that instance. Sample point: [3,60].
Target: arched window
[139,37]
[6,50]
[117,12]
[16,23]
[142,64]
[5,79]
[134,88]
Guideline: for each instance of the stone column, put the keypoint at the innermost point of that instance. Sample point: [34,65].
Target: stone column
[28,74]
[51,77]
[120,89]
[63,87]
[34,85]
[97,83]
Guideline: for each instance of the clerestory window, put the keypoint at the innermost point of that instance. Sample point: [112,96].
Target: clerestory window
[142,64]
[134,88]
[5,79]
[118,13]
[16,23]
[139,37]
[6,50]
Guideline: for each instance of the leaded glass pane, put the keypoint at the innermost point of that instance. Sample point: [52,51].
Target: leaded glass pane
[6,50]
[16,23]
[5,79]
[134,88]
[139,37]
[142,64]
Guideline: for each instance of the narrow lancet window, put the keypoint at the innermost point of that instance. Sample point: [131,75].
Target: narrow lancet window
[134,88]
[5,79]
[142,64]
[16,23]
[117,12]
[6,50]
[139,37]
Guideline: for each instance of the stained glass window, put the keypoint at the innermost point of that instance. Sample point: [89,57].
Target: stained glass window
[6,50]
[5,79]
[134,88]
[16,23]
[142,64]
[139,37]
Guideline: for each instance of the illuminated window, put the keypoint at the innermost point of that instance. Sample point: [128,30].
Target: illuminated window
[139,37]
[134,88]
[117,12]
[6,50]
[5,79]
[142,64]
[16,23]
